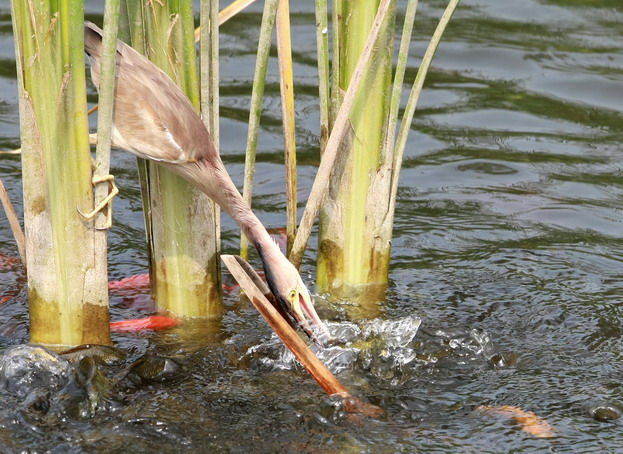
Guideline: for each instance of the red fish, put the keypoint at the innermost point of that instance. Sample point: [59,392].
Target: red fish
[137,283]
[140,283]
[8,263]
[153,322]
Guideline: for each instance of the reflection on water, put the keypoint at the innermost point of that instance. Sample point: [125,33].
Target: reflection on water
[507,263]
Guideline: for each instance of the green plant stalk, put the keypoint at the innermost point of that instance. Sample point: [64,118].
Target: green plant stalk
[123,33]
[255,110]
[322,46]
[136,31]
[401,65]
[286,84]
[184,257]
[210,100]
[104,127]
[136,23]
[105,113]
[380,203]
[405,123]
[336,96]
[348,257]
[67,278]
[209,54]
[338,132]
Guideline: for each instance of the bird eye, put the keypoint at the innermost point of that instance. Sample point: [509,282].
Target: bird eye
[292,295]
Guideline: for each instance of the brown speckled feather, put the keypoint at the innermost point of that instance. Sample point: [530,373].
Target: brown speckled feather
[153,118]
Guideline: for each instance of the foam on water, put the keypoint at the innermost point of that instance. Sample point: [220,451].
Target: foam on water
[391,340]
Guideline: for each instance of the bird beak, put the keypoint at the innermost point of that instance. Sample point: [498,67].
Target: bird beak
[302,310]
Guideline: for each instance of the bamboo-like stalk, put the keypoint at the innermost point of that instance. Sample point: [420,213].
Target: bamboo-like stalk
[184,251]
[227,13]
[136,30]
[286,83]
[209,55]
[336,96]
[348,255]
[357,218]
[68,291]
[339,129]
[210,98]
[401,65]
[105,117]
[405,123]
[322,45]
[136,22]
[16,227]
[123,32]
[255,109]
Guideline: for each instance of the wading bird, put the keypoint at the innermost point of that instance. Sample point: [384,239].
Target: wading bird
[153,119]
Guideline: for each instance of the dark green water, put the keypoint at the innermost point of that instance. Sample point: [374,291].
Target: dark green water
[507,245]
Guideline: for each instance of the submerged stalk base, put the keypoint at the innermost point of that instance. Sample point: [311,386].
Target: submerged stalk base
[366,297]
[353,257]
[184,242]
[66,257]
[50,331]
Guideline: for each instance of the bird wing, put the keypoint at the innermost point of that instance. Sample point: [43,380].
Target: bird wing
[152,117]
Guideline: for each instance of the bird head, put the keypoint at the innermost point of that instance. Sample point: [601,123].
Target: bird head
[292,294]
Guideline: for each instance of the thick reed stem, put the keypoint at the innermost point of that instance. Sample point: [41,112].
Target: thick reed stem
[184,243]
[66,266]
[255,110]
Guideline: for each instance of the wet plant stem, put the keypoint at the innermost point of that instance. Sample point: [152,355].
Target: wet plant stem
[209,86]
[407,118]
[66,266]
[403,54]
[321,182]
[255,110]
[16,228]
[184,253]
[322,46]
[105,110]
[286,84]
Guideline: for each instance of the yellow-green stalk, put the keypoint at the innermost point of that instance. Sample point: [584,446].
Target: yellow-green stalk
[392,160]
[209,88]
[16,227]
[349,257]
[322,46]
[136,31]
[339,128]
[286,84]
[184,244]
[255,110]
[67,278]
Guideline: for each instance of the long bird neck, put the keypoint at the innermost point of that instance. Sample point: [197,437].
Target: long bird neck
[211,177]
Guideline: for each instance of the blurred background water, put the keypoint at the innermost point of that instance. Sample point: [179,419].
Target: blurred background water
[506,272]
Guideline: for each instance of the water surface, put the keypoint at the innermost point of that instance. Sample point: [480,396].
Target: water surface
[507,246]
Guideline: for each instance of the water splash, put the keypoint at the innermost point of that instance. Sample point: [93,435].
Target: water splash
[390,340]
[26,368]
